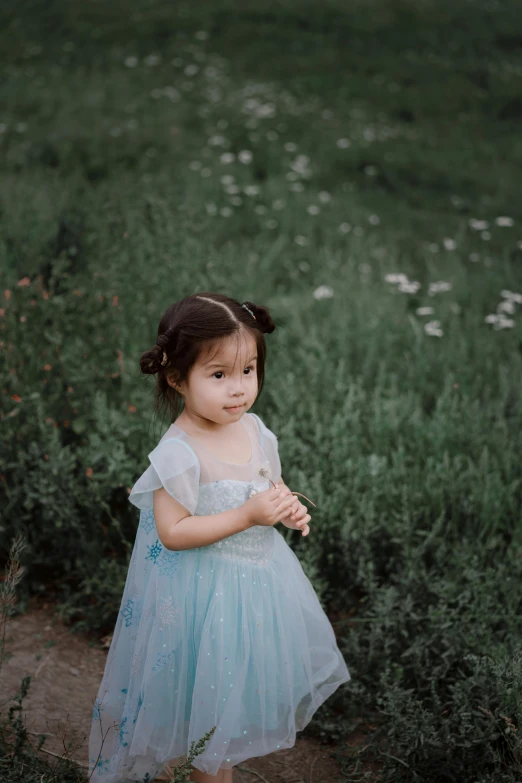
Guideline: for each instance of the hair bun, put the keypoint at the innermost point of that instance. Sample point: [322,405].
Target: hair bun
[263,317]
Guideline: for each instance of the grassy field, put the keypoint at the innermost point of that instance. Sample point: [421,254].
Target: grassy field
[355,167]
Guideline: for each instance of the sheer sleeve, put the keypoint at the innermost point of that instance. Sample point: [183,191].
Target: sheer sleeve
[174,466]
[270,447]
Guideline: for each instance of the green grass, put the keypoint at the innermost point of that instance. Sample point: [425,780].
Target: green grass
[112,204]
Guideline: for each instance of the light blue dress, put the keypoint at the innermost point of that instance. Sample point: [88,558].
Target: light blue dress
[230,635]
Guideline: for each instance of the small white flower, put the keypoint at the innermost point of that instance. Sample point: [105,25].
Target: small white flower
[324,196]
[449,243]
[432,328]
[374,220]
[398,277]
[343,143]
[323,292]
[130,62]
[485,235]
[478,225]
[225,211]
[370,171]
[232,190]
[437,287]
[211,208]
[511,295]
[191,70]
[504,221]
[424,311]
[251,190]
[410,287]
[345,228]
[271,223]
[260,209]
[245,156]
[474,257]
[301,240]
[290,146]
[506,306]
[279,203]
[313,209]
[227,157]
[227,179]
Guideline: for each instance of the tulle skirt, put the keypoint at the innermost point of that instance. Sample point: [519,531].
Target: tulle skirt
[205,640]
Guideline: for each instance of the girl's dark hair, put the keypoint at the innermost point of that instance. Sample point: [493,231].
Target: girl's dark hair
[195,322]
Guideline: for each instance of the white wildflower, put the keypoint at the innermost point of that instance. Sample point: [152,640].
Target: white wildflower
[131,62]
[437,287]
[370,171]
[409,287]
[217,140]
[374,220]
[245,156]
[511,295]
[225,211]
[398,277]
[485,235]
[343,143]
[424,310]
[201,35]
[449,243]
[504,221]
[432,328]
[478,225]
[227,157]
[290,146]
[191,70]
[227,179]
[301,240]
[279,203]
[251,190]
[345,228]
[506,306]
[271,223]
[324,196]
[323,292]
[313,209]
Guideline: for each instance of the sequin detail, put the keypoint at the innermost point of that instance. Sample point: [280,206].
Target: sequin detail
[255,545]
[167,614]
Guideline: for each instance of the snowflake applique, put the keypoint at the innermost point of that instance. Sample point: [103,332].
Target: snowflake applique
[154,551]
[168,563]
[149,611]
[167,614]
[102,764]
[147,520]
[127,612]
[97,710]
[140,702]
[122,732]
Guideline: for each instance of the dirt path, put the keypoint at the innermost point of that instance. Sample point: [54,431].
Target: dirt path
[66,669]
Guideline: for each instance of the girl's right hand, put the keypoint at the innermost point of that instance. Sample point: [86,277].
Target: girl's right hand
[268,507]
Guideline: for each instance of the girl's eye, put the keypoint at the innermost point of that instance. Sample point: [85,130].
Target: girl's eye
[220,372]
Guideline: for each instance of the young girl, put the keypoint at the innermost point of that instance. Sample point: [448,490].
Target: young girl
[219,625]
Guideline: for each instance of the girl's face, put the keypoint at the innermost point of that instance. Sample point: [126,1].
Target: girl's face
[223,378]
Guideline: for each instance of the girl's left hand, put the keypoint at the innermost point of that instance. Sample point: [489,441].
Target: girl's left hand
[297,517]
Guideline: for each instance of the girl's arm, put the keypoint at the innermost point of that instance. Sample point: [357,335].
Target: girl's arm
[178,529]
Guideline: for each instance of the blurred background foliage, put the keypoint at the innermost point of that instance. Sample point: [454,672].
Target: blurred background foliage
[355,167]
